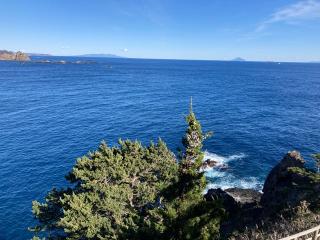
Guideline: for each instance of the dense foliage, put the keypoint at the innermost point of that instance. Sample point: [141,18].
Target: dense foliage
[131,191]
[112,186]
[186,214]
[316,158]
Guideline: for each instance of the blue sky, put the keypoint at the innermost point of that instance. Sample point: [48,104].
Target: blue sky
[280,30]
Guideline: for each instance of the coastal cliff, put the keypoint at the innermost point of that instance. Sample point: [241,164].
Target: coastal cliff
[289,183]
[13,56]
[288,204]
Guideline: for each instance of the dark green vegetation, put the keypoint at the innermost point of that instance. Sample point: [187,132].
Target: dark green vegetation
[131,191]
[186,214]
[290,203]
[316,158]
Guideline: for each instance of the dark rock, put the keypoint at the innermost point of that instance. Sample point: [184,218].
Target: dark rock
[289,190]
[234,198]
[223,167]
[289,183]
[242,206]
[228,201]
[291,159]
[244,196]
[212,163]
[209,163]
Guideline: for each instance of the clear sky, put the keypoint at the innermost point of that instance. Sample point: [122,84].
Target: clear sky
[281,30]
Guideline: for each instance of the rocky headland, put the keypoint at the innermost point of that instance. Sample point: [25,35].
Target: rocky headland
[13,56]
[6,55]
[289,203]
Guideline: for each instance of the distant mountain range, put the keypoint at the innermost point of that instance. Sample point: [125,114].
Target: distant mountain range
[238,59]
[99,55]
[10,55]
[38,54]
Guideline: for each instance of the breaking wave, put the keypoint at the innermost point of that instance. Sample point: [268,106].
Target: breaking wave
[220,176]
[220,160]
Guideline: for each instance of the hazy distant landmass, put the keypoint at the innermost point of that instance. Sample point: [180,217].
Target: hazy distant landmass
[238,59]
[94,55]
[99,55]
[39,55]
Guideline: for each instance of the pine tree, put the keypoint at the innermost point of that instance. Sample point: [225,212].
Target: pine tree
[131,191]
[186,214]
[191,160]
[111,190]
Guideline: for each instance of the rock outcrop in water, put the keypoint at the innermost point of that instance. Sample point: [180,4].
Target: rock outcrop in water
[209,163]
[13,56]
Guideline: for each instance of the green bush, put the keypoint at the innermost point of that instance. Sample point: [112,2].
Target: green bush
[131,191]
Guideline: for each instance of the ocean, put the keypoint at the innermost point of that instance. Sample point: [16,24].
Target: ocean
[50,114]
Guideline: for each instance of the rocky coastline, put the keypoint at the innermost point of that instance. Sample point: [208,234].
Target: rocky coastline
[19,56]
[288,203]
[13,56]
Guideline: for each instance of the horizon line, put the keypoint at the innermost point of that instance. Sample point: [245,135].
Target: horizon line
[154,58]
[182,59]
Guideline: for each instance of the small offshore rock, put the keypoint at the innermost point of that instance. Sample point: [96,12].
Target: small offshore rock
[209,163]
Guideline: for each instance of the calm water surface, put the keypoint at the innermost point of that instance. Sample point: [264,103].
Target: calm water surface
[50,114]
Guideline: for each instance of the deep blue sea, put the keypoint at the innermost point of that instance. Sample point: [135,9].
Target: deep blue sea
[50,114]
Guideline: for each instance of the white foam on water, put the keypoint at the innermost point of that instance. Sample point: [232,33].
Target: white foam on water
[220,160]
[231,181]
[223,178]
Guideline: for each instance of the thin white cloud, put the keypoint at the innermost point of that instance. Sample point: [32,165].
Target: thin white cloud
[300,11]
[124,49]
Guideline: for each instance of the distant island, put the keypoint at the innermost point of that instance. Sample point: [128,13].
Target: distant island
[99,55]
[238,59]
[13,56]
